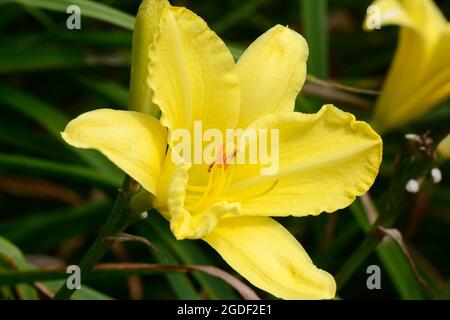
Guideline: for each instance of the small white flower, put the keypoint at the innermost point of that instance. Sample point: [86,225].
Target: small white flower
[144,215]
[437,175]
[412,186]
[413,137]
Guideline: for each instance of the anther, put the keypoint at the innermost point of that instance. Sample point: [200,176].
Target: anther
[224,159]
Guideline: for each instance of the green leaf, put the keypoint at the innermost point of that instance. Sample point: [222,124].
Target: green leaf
[54,122]
[46,115]
[112,270]
[314,15]
[189,252]
[21,137]
[236,50]
[41,16]
[56,38]
[51,169]
[6,293]
[51,228]
[400,271]
[393,260]
[445,292]
[84,293]
[12,259]
[88,8]
[242,12]
[114,92]
[180,283]
[101,39]
[12,254]
[41,58]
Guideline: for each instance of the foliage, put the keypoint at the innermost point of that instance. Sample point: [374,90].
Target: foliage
[54,199]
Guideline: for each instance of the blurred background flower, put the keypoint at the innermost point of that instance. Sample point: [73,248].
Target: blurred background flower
[419,76]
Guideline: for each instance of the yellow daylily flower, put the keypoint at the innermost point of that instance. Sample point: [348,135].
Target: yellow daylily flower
[419,77]
[443,148]
[325,159]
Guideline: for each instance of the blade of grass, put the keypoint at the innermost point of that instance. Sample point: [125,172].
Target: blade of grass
[24,164]
[6,293]
[180,283]
[393,259]
[85,293]
[51,228]
[103,39]
[17,136]
[11,259]
[236,50]
[54,122]
[46,115]
[8,15]
[22,41]
[315,27]
[15,256]
[93,39]
[36,59]
[88,8]
[126,269]
[242,12]
[113,91]
[41,16]
[189,252]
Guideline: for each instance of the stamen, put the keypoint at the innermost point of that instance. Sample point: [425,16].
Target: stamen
[203,191]
[218,183]
[225,161]
[209,194]
[229,179]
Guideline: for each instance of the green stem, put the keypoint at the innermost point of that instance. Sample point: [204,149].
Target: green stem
[119,219]
[126,212]
[369,244]
[386,219]
[314,16]
[357,258]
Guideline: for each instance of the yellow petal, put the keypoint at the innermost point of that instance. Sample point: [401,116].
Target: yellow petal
[418,78]
[325,161]
[271,73]
[268,256]
[171,203]
[426,16]
[145,29]
[421,99]
[387,12]
[411,50]
[134,141]
[421,15]
[443,148]
[192,74]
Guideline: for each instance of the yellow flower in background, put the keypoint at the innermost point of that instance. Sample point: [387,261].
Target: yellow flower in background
[325,159]
[419,77]
[443,148]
